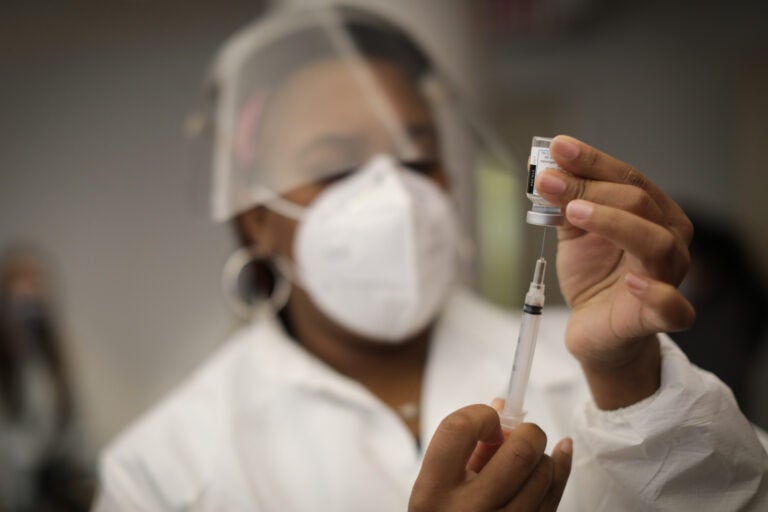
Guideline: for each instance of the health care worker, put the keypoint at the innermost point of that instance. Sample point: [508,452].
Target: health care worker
[333,153]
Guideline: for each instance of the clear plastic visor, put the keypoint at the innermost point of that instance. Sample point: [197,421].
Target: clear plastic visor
[300,103]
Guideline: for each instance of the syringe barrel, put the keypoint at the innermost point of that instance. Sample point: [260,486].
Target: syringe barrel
[513,412]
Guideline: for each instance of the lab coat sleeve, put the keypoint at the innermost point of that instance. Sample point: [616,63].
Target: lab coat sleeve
[154,466]
[141,474]
[687,447]
[123,487]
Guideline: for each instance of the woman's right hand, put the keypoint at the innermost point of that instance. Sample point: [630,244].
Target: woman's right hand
[470,466]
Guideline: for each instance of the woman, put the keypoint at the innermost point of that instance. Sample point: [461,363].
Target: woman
[329,159]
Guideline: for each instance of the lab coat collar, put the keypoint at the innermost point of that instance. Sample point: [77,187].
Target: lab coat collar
[471,340]
[278,358]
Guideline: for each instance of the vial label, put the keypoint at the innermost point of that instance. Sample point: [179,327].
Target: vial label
[542,212]
[540,159]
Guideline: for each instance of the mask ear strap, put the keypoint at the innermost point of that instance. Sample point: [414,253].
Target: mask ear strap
[279,204]
[230,284]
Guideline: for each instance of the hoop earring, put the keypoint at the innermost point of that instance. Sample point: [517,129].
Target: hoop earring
[230,285]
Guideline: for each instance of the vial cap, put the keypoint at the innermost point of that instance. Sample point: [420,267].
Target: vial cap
[544,218]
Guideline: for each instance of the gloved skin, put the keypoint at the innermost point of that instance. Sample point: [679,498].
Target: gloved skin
[470,466]
[622,251]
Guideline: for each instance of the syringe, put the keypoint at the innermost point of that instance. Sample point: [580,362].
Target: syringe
[512,414]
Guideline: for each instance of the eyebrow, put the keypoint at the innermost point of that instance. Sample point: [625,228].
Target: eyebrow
[355,144]
[333,141]
[422,131]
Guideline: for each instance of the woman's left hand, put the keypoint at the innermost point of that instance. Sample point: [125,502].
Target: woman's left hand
[469,465]
[622,252]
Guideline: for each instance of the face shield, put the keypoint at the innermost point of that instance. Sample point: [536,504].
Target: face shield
[311,95]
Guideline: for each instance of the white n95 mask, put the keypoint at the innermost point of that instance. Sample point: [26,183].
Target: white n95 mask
[377,251]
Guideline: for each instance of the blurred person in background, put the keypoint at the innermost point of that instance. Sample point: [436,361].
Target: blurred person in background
[728,291]
[349,387]
[41,461]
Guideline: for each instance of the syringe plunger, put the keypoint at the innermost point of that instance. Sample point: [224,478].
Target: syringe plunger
[538,273]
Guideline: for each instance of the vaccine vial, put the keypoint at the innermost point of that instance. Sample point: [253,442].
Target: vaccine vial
[542,213]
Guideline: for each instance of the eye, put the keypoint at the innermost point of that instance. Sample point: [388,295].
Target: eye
[425,166]
[337,175]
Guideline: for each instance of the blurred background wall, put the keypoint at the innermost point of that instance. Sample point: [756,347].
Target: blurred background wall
[95,168]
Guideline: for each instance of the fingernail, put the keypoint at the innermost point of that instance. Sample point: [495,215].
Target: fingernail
[550,183]
[579,210]
[636,283]
[567,446]
[565,148]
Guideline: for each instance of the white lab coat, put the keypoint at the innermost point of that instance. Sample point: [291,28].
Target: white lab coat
[265,426]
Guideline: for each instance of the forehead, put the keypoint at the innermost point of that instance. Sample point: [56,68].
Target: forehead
[341,81]
[369,99]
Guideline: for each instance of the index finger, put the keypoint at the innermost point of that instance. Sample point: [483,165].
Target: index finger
[510,467]
[455,439]
[561,456]
[584,161]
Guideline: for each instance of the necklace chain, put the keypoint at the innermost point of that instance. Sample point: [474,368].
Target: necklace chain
[409,411]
